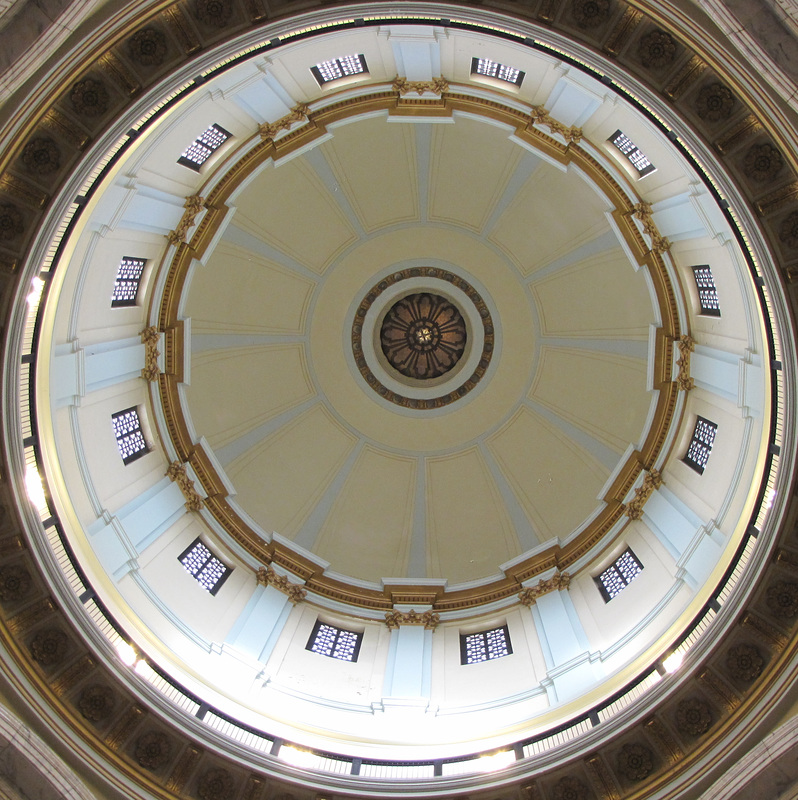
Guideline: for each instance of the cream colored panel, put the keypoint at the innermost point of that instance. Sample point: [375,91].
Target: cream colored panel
[603,394]
[553,213]
[280,480]
[368,532]
[375,164]
[234,390]
[601,297]
[239,291]
[469,533]
[284,203]
[483,161]
[555,480]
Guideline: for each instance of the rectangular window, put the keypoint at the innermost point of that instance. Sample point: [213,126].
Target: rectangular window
[201,149]
[618,575]
[327,640]
[209,572]
[492,69]
[337,68]
[701,445]
[129,436]
[632,152]
[707,293]
[485,645]
[128,279]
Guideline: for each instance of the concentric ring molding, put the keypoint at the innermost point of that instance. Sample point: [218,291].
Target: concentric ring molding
[770,630]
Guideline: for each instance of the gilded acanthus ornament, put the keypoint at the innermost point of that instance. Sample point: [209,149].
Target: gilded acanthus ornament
[435,86]
[193,206]
[651,480]
[150,337]
[177,473]
[299,113]
[643,212]
[686,346]
[557,582]
[542,117]
[429,619]
[268,577]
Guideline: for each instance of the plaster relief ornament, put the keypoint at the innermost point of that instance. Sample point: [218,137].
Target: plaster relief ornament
[744,662]
[788,232]
[635,762]
[96,702]
[656,50]
[147,47]
[570,789]
[215,784]
[590,13]
[153,750]
[693,717]
[214,12]
[15,582]
[41,156]
[763,163]
[89,98]
[11,224]
[782,599]
[49,646]
[714,102]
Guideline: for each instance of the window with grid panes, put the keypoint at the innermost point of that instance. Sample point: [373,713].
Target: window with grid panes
[618,575]
[128,280]
[700,445]
[201,149]
[632,152]
[336,68]
[707,293]
[129,436]
[202,564]
[485,645]
[492,69]
[327,640]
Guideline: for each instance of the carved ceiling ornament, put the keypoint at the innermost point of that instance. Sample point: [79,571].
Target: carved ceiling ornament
[49,646]
[150,338]
[269,130]
[643,212]
[656,50]
[782,599]
[193,206]
[429,619]
[147,47]
[540,116]
[11,222]
[788,231]
[651,480]
[153,750]
[268,577]
[714,102]
[214,13]
[178,473]
[215,784]
[693,717]
[635,762]
[686,346]
[15,582]
[569,788]
[528,595]
[763,162]
[89,98]
[744,662]
[436,86]
[41,156]
[590,13]
[97,702]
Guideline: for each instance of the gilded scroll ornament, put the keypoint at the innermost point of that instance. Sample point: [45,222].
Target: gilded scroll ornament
[570,133]
[268,577]
[150,337]
[177,472]
[643,212]
[429,619]
[193,206]
[269,130]
[557,582]
[435,86]
[651,481]
[686,346]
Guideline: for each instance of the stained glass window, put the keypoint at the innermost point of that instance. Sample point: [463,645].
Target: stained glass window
[128,279]
[492,69]
[327,640]
[336,68]
[129,436]
[707,293]
[200,150]
[701,445]
[209,572]
[485,645]
[619,575]
[632,152]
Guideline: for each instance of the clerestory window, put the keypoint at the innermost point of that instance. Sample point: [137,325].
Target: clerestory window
[129,436]
[209,572]
[327,640]
[485,645]
[201,149]
[707,293]
[336,68]
[492,69]
[618,575]
[128,280]
[700,446]
[632,152]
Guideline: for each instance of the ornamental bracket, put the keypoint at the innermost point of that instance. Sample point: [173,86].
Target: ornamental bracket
[651,481]
[268,577]
[557,582]
[429,619]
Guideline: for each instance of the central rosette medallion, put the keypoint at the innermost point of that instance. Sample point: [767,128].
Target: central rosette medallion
[423,336]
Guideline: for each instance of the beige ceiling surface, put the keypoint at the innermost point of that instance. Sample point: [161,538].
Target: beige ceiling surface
[382,491]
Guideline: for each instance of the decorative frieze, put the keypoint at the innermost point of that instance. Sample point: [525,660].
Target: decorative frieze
[183,769]
[178,473]
[193,206]
[435,86]
[686,346]
[570,133]
[269,130]
[150,338]
[685,78]
[651,480]
[557,582]
[623,30]
[643,212]
[268,577]
[429,619]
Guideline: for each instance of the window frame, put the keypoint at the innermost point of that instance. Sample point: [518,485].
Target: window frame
[499,66]
[691,462]
[464,637]
[598,579]
[211,557]
[706,310]
[185,161]
[128,302]
[628,155]
[322,81]
[119,438]
[338,631]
